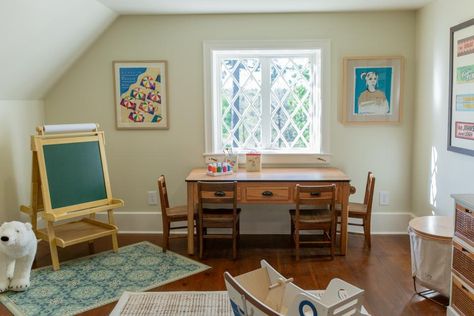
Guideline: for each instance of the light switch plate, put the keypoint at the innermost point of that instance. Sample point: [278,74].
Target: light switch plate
[384,198]
[152,198]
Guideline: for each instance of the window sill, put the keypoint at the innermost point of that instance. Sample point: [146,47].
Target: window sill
[275,158]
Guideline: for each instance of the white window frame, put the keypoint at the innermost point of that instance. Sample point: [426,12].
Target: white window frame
[213,49]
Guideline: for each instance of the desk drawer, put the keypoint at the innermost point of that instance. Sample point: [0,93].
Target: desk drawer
[463,263]
[464,225]
[267,193]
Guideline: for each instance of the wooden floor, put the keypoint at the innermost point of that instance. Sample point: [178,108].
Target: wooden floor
[383,272]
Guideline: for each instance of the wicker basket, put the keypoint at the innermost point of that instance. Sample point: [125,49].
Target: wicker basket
[463,263]
[462,298]
[464,226]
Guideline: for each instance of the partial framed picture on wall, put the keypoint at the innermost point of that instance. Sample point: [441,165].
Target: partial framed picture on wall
[141,98]
[461,89]
[372,90]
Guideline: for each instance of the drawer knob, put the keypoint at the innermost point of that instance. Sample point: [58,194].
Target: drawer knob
[219,193]
[315,193]
[267,193]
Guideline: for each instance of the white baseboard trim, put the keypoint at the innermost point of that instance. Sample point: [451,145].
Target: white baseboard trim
[145,222]
[386,223]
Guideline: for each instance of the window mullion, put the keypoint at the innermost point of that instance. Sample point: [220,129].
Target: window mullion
[266,102]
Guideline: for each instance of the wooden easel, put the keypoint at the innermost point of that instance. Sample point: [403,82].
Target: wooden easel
[45,197]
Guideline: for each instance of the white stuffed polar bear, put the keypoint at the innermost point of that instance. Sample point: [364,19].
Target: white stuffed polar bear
[17,252]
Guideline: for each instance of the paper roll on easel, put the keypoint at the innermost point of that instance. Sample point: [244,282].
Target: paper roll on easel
[69,128]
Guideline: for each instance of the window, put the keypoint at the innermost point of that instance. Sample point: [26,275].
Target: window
[266,96]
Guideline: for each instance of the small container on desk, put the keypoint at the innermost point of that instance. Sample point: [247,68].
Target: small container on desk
[233,160]
[216,169]
[253,161]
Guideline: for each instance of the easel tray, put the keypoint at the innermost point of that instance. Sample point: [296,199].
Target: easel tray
[80,231]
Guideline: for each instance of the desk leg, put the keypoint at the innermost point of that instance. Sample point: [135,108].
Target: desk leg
[190,189]
[344,217]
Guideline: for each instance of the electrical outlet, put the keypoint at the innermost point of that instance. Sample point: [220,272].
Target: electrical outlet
[152,198]
[384,198]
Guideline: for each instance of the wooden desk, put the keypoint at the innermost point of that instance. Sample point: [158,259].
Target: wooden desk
[280,182]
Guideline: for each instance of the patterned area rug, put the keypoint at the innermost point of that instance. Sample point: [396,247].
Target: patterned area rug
[89,282]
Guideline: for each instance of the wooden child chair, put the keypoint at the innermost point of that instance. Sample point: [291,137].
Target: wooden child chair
[315,210]
[363,210]
[222,197]
[171,214]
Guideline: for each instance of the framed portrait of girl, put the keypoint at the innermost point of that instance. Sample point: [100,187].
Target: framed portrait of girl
[372,90]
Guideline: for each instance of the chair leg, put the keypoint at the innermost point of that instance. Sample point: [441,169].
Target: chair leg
[367,231]
[292,231]
[333,239]
[332,249]
[238,233]
[166,235]
[201,240]
[297,244]
[234,241]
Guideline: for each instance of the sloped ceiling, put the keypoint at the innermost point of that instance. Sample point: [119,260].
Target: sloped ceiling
[41,39]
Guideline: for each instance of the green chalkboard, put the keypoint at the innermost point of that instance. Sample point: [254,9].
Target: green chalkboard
[75,173]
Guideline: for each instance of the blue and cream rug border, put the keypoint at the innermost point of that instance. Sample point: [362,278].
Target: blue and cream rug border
[89,282]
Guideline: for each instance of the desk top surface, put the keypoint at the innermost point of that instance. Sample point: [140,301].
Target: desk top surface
[273,174]
[440,227]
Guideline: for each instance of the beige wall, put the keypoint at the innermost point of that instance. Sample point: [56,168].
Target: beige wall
[136,158]
[18,120]
[437,173]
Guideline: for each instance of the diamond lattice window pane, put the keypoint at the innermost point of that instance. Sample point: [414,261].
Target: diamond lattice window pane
[240,86]
[291,90]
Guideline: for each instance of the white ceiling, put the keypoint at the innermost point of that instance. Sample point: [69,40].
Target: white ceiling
[255,6]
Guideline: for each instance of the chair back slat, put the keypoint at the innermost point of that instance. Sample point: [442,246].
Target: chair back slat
[370,176]
[321,195]
[217,193]
[369,192]
[163,194]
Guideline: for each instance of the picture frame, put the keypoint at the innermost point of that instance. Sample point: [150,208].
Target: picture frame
[141,94]
[461,89]
[372,90]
